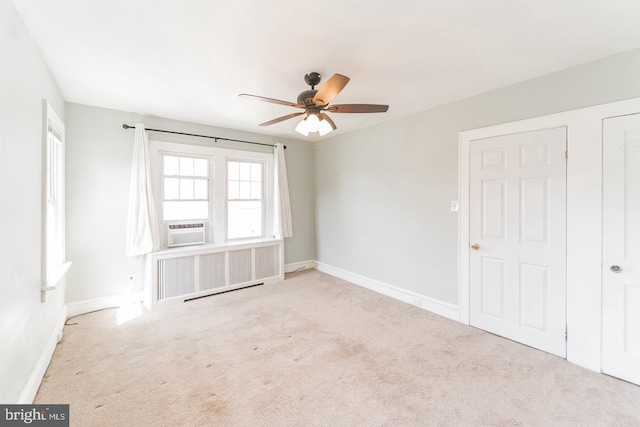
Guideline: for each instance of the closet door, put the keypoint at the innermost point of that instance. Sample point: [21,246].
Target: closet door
[517,231]
[621,248]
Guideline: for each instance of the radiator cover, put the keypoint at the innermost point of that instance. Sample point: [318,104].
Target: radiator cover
[175,275]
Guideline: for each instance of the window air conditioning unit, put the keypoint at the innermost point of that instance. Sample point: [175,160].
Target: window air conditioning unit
[186,234]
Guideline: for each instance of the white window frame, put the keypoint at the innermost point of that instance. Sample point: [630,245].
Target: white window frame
[160,193]
[262,199]
[54,266]
[216,225]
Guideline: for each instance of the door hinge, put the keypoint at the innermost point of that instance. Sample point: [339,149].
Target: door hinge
[566,156]
[566,334]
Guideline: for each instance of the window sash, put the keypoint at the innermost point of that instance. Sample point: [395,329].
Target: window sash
[185,170]
[245,178]
[242,220]
[53,195]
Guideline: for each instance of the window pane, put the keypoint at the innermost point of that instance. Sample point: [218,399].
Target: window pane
[256,172]
[171,189]
[200,189]
[200,167]
[185,210]
[234,190]
[244,219]
[256,190]
[233,171]
[186,189]
[245,171]
[245,190]
[171,165]
[186,166]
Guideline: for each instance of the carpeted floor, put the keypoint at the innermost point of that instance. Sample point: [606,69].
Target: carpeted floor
[317,351]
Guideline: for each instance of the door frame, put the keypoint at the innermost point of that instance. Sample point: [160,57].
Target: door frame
[584,212]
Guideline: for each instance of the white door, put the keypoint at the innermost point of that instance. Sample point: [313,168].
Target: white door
[517,231]
[621,248]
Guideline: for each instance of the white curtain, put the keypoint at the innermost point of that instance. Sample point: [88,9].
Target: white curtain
[143,234]
[284,227]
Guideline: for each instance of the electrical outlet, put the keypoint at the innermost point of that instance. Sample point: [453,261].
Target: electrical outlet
[455,206]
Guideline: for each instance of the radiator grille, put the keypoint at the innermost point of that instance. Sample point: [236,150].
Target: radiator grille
[267,262]
[239,266]
[212,271]
[176,277]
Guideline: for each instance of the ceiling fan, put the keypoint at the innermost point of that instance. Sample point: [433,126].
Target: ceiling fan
[316,102]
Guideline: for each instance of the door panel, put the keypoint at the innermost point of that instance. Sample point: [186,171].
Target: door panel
[518,219]
[494,209]
[534,299]
[493,287]
[621,247]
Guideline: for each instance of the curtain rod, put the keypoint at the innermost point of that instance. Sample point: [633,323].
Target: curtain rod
[215,138]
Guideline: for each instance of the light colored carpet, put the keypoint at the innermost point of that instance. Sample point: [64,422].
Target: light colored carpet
[317,351]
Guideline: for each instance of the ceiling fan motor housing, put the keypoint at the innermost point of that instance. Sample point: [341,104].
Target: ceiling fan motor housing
[306,98]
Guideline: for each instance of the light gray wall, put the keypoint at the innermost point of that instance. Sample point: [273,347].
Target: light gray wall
[26,324]
[99,153]
[383,193]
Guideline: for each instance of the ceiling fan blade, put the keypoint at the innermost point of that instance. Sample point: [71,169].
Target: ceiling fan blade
[271,100]
[282,119]
[327,118]
[330,89]
[358,108]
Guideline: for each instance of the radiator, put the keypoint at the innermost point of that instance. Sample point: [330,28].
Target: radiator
[176,275]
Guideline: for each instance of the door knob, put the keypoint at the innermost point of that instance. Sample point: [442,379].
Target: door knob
[475,246]
[615,268]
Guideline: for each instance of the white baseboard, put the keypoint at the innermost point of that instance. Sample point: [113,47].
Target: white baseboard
[77,308]
[433,305]
[302,265]
[35,379]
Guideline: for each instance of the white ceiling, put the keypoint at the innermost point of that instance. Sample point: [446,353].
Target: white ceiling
[189,59]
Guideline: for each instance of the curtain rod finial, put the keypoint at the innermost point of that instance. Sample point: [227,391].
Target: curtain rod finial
[125,126]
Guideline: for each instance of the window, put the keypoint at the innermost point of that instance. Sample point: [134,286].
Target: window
[55,198]
[185,188]
[54,266]
[244,199]
[229,191]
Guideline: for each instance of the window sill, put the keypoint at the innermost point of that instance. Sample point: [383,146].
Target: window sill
[54,278]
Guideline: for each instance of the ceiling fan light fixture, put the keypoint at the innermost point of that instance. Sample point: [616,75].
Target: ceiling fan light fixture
[313,122]
[324,127]
[303,127]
